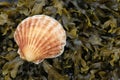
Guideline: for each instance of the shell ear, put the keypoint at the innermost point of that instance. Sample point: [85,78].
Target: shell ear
[38,61]
[20,53]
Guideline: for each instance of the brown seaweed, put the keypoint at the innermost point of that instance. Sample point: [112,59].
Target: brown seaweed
[92,51]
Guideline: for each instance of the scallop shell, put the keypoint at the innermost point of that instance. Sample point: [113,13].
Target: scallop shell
[39,37]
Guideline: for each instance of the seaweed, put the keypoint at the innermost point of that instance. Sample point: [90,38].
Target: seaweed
[92,51]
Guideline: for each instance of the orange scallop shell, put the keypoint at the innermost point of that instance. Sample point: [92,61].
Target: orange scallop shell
[39,37]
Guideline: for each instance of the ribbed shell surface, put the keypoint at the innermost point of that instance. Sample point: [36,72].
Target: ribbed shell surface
[40,37]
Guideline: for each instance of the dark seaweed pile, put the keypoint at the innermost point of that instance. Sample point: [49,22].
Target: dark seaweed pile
[92,51]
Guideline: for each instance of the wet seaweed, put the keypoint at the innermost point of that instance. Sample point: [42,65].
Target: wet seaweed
[92,51]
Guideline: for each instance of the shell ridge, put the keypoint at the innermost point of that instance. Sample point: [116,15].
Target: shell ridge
[50,53]
[58,47]
[22,34]
[35,28]
[30,28]
[19,37]
[51,41]
[42,36]
[32,31]
[20,26]
[39,33]
[59,53]
[50,27]
[53,47]
[55,55]
[27,29]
